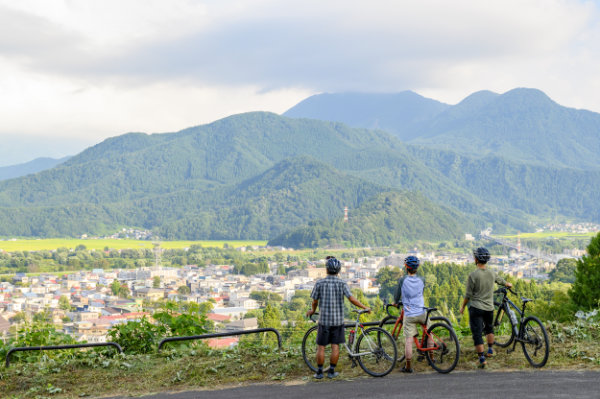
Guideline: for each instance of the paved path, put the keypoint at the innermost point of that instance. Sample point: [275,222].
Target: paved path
[459,385]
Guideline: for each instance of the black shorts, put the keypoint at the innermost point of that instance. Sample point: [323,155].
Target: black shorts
[480,321]
[330,335]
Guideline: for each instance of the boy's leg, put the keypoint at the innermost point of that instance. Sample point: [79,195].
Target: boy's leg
[335,354]
[321,355]
[488,328]
[476,324]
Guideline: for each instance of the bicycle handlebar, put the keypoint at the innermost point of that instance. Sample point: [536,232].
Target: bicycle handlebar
[387,308]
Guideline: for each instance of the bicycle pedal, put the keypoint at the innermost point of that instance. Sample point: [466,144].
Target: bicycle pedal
[420,358]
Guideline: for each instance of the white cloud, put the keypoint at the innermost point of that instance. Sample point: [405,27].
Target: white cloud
[101,68]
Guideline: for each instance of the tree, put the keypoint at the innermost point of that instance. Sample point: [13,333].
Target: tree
[387,278]
[64,303]
[114,287]
[156,282]
[183,290]
[124,291]
[564,271]
[586,288]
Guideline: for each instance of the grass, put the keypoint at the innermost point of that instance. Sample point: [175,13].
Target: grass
[99,244]
[549,234]
[97,376]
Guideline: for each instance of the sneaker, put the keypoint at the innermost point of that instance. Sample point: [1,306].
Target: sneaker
[482,362]
[490,352]
[333,375]
[405,370]
[318,375]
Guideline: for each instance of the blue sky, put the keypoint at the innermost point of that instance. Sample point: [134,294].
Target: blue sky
[75,72]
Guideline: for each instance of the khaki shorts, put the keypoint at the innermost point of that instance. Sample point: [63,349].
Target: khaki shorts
[412,325]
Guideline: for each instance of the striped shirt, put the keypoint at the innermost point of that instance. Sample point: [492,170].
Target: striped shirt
[330,293]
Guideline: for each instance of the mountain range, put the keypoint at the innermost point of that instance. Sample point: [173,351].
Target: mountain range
[407,167]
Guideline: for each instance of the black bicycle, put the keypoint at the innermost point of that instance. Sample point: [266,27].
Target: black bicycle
[529,331]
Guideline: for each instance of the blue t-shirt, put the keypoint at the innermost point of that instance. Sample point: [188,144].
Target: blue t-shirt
[410,291]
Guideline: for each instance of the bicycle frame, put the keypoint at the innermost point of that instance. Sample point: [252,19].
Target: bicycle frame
[421,346]
[504,307]
[357,325]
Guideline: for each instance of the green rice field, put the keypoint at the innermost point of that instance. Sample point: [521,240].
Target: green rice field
[550,234]
[13,245]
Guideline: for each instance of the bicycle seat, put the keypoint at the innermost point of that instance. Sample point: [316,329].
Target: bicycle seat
[429,310]
[525,300]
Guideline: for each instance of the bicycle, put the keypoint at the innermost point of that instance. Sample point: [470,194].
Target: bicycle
[443,354]
[531,333]
[373,348]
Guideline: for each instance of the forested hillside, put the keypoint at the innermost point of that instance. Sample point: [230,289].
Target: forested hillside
[384,220]
[522,125]
[260,175]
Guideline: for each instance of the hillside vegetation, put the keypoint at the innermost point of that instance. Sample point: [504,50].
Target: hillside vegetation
[259,175]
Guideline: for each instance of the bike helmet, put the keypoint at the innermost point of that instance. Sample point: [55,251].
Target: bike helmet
[333,265]
[482,255]
[412,262]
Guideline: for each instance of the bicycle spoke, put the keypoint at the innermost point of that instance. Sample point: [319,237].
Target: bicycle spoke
[535,342]
[378,352]
[447,350]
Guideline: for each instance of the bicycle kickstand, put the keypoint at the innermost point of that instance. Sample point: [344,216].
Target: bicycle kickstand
[353,360]
[510,350]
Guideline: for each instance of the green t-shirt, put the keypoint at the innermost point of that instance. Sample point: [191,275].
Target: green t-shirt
[480,288]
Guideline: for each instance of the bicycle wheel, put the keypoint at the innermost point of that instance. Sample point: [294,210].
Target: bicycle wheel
[309,349]
[387,324]
[536,345]
[445,357]
[377,352]
[504,333]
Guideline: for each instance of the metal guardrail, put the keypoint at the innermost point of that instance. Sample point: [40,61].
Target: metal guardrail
[224,334]
[57,347]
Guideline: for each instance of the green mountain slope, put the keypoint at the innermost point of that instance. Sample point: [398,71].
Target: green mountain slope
[520,125]
[388,218]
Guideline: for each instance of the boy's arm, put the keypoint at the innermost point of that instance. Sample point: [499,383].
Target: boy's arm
[315,303]
[355,302]
[468,294]
[500,281]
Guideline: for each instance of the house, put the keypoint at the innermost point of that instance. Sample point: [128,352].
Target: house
[242,325]
[153,294]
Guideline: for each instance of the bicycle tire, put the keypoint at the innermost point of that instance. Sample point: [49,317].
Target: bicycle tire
[382,353]
[535,338]
[387,323]
[501,338]
[309,349]
[445,359]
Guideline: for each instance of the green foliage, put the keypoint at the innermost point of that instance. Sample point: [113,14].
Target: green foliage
[173,319]
[586,288]
[387,279]
[386,219]
[137,336]
[37,333]
[564,271]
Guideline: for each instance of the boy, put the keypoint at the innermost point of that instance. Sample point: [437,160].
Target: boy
[329,294]
[480,294]
[410,291]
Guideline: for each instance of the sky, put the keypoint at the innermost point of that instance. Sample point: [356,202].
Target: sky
[74,72]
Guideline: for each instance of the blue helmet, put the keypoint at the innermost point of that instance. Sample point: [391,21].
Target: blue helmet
[333,265]
[412,262]
[482,255]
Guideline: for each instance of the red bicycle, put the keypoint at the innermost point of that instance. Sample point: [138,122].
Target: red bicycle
[438,343]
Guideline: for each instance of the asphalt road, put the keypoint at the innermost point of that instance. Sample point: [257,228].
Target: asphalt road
[477,384]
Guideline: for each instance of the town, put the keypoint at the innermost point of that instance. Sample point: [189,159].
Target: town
[87,304]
